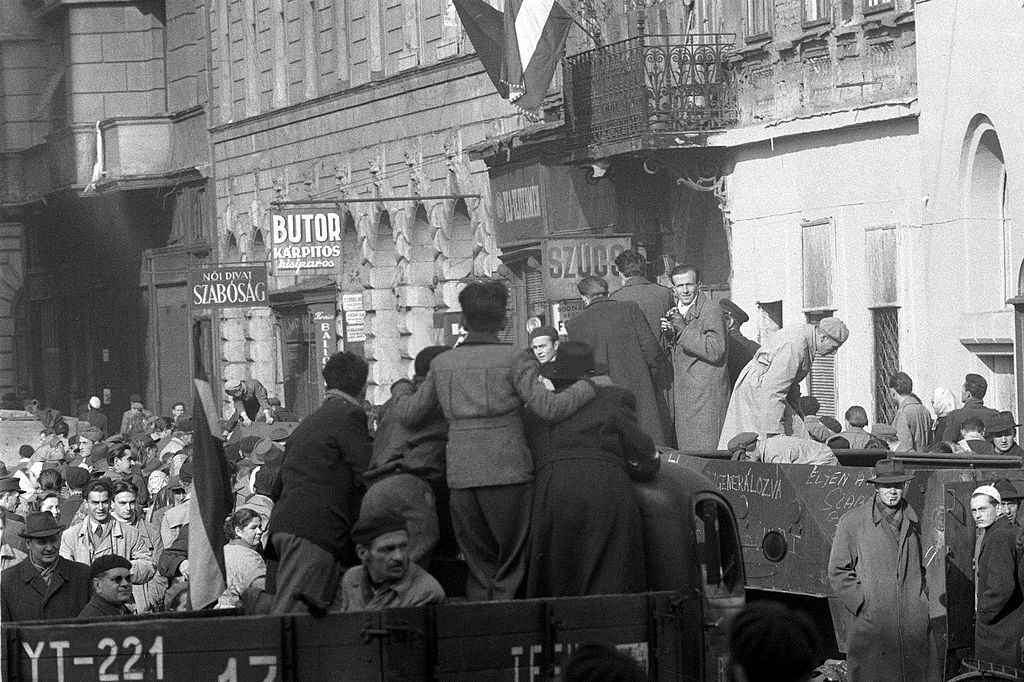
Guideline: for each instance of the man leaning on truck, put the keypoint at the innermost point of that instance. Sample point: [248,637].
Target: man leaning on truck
[876,571]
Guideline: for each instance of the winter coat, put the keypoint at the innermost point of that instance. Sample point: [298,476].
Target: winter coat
[1000,610]
[322,476]
[244,567]
[481,387]
[701,386]
[913,425]
[880,579]
[758,400]
[24,595]
[622,341]
[150,596]
[973,407]
[122,540]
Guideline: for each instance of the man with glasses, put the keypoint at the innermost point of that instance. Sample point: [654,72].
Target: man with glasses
[100,534]
[112,588]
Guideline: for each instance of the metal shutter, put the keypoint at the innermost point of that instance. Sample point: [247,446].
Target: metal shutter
[822,378]
[887,360]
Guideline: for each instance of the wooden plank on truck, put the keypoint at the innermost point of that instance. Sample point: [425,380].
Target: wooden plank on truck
[335,643]
[489,640]
[229,649]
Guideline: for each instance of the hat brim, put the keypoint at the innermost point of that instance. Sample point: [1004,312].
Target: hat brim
[890,479]
[39,534]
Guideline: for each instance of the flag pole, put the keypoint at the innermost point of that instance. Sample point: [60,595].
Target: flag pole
[575,18]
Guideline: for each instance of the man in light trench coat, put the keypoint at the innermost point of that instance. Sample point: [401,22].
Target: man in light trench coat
[876,571]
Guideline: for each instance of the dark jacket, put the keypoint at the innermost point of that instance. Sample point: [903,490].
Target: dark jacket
[482,387]
[623,342]
[172,556]
[1000,622]
[98,607]
[417,450]
[322,475]
[973,407]
[654,300]
[24,595]
[741,351]
[880,579]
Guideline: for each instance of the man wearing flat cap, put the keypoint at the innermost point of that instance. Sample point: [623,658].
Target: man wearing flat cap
[758,400]
[45,586]
[112,588]
[739,349]
[385,578]
[877,573]
[251,403]
[1010,497]
[998,597]
[781,449]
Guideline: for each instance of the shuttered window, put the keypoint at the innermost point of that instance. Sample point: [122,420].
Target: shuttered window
[886,361]
[822,378]
[818,241]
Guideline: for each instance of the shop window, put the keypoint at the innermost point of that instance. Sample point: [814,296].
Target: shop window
[885,322]
[822,378]
[758,18]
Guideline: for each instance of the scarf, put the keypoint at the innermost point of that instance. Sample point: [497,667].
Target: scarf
[893,516]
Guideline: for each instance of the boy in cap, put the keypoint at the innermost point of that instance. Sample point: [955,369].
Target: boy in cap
[385,578]
[112,588]
[876,571]
[1000,605]
[758,400]
[45,586]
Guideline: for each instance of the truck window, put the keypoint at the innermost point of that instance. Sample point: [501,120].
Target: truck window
[718,545]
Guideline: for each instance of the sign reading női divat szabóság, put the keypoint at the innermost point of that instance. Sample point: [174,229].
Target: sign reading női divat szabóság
[228,286]
[303,241]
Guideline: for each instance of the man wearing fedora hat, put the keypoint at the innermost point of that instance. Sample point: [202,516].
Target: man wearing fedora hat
[1003,432]
[45,586]
[758,400]
[998,598]
[876,571]
[10,497]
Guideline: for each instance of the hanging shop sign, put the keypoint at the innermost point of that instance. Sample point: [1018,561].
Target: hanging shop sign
[325,334]
[567,261]
[228,286]
[305,241]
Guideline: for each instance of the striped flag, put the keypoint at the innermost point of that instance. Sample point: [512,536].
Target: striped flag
[535,33]
[210,506]
[520,48]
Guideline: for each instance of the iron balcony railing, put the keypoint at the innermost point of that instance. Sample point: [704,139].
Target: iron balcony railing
[647,86]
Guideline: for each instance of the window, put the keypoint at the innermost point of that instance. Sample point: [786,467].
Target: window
[822,378]
[877,5]
[769,320]
[758,18]
[887,360]
[816,11]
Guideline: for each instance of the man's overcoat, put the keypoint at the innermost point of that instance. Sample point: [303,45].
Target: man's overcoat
[701,386]
[879,577]
[618,333]
[759,398]
[25,595]
[1000,612]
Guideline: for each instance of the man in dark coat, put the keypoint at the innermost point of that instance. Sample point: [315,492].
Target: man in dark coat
[251,402]
[1000,604]
[45,586]
[696,331]
[654,300]
[972,396]
[322,485]
[112,588]
[740,349]
[482,386]
[1003,432]
[876,571]
[622,341]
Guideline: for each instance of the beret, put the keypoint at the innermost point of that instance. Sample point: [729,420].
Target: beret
[733,310]
[834,328]
[26,451]
[742,440]
[76,477]
[107,562]
[546,330]
[369,528]
[883,430]
[988,490]
[832,424]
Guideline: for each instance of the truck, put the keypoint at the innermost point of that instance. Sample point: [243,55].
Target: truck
[677,631]
[787,516]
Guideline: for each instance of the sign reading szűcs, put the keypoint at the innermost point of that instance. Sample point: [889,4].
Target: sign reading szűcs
[305,242]
[228,286]
[567,261]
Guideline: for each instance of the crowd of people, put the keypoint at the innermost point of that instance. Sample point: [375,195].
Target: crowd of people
[518,462]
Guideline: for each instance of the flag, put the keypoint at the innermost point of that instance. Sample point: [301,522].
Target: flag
[211,504]
[484,26]
[535,33]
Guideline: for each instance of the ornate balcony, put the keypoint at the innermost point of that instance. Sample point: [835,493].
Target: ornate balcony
[651,91]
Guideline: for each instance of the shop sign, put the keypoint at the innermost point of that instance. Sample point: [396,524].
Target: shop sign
[303,241]
[567,261]
[355,318]
[324,330]
[234,286]
[518,204]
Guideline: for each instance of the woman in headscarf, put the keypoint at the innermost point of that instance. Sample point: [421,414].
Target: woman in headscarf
[943,402]
[586,533]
